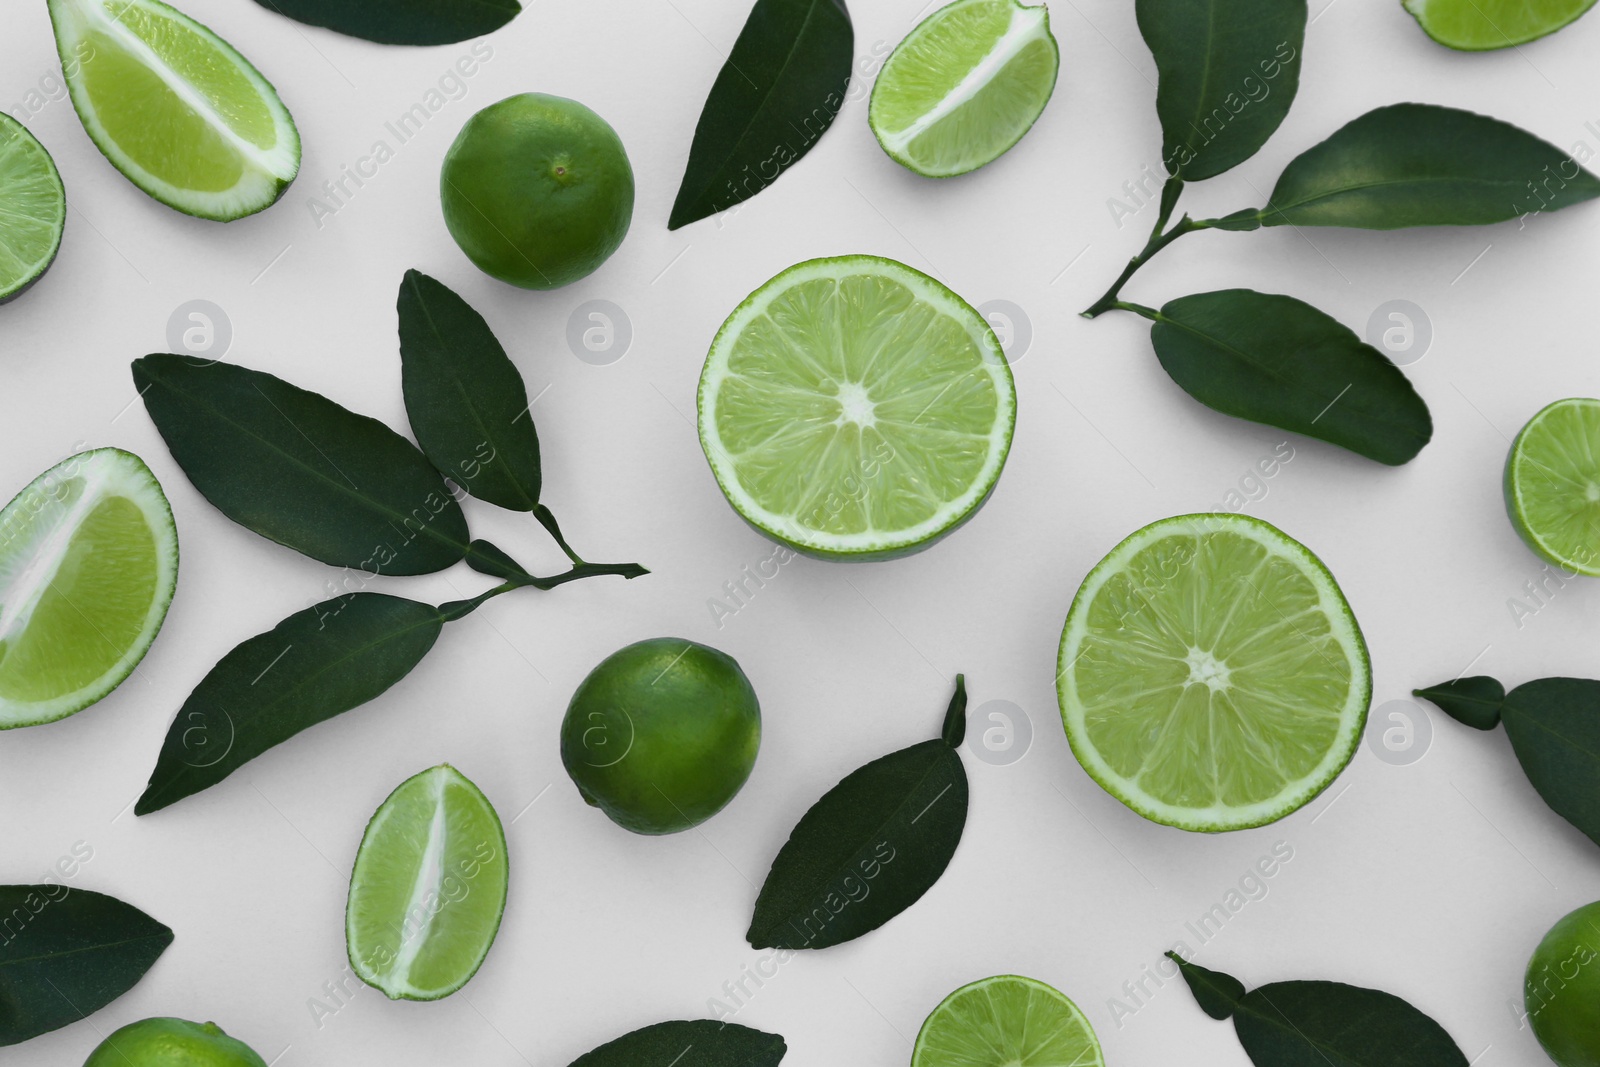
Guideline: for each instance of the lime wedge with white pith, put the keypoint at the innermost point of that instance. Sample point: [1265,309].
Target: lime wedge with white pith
[33,209]
[1211,675]
[174,107]
[429,888]
[88,563]
[964,86]
[1552,484]
[853,408]
[1481,25]
[1006,1021]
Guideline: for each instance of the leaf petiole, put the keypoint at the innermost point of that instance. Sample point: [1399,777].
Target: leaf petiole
[456,609]
[1160,237]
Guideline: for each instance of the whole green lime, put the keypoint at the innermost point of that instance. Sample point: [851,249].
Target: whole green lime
[537,190]
[662,734]
[1562,989]
[172,1043]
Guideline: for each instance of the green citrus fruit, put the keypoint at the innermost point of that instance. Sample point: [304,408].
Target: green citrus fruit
[1562,989]
[1481,25]
[662,734]
[1552,484]
[537,190]
[33,209]
[172,1043]
[1006,1021]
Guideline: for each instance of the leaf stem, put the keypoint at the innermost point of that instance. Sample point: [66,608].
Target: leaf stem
[456,609]
[1158,240]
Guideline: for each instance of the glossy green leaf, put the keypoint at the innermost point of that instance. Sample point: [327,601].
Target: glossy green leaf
[1425,165]
[315,664]
[1475,701]
[466,400]
[1229,70]
[419,22]
[297,468]
[67,953]
[700,1043]
[1276,360]
[1317,1024]
[775,97]
[870,848]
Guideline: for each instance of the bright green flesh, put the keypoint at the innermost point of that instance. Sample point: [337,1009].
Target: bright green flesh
[964,86]
[428,889]
[1006,1021]
[1480,25]
[175,107]
[88,563]
[856,408]
[1211,674]
[1552,484]
[33,209]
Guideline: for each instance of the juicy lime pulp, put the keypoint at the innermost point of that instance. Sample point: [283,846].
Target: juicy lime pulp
[1006,1021]
[964,86]
[1480,25]
[428,889]
[1211,675]
[1552,484]
[88,564]
[33,209]
[175,108]
[854,408]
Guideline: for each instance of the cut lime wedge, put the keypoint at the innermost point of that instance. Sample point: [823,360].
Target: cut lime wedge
[175,108]
[1006,1021]
[1481,25]
[33,209]
[429,888]
[1212,676]
[964,86]
[1552,484]
[88,563]
[854,408]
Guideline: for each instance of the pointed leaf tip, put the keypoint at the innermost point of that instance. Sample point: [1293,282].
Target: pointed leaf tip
[955,717]
[1475,701]
[1217,994]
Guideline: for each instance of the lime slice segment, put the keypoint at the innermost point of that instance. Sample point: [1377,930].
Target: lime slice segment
[1552,484]
[33,209]
[429,888]
[1006,1021]
[964,86]
[1481,25]
[174,107]
[1211,675]
[88,564]
[854,408]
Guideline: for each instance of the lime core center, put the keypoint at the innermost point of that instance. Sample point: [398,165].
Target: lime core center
[855,405]
[1207,670]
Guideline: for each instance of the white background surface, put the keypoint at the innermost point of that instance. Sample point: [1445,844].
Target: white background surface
[1433,880]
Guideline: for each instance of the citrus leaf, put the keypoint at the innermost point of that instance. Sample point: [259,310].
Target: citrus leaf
[700,1043]
[1474,701]
[1315,1024]
[315,664]
[869,849]
[1554,726]
[299,469]
[465,398]
[774,98]
[1425,165]
[401,21]
[67,953]
[1276,360]
[1229,70]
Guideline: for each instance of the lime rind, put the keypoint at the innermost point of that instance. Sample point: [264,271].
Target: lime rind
[1007,1021]
[1341,628]
[1469,26]
[1552,484]
[989,373]
[33,209]
[212,130]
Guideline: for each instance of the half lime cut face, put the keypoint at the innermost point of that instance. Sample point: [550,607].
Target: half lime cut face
[33,209]
[1211,674]
[1481,25]
[1552,484]
[1006,1021]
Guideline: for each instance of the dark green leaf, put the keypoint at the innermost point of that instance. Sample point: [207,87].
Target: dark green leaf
[955,716]
[1228,70]
[1217,994]
[315,664]
[1425,165]
[466,400]
[1554,726]
[868,850]
[1277,360]
[67,953]
[1475,701]
[702,1043]
[775,97]
[297,468]
[402,21]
